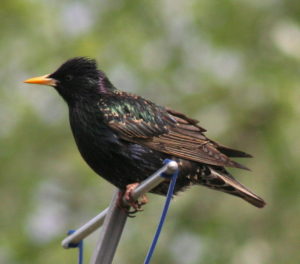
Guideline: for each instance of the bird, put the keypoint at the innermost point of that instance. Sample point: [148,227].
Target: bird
[125,138]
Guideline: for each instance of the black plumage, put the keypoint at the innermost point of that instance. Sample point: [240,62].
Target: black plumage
[124,137]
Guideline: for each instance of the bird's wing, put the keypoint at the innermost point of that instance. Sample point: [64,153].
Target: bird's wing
[140,121]
[134,117]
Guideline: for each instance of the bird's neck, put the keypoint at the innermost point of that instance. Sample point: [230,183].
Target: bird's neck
[105,86]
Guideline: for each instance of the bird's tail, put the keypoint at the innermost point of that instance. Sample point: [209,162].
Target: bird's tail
[220,179]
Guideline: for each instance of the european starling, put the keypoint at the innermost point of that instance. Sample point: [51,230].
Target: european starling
[124,138]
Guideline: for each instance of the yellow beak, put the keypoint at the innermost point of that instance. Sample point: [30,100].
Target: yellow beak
[45,80]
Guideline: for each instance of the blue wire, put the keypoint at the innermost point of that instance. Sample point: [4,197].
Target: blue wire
[77,245]
[164,212]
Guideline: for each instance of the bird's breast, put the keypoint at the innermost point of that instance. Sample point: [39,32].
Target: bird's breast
[95,140]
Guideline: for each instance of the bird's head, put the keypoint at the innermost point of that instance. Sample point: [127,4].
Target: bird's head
[76,78]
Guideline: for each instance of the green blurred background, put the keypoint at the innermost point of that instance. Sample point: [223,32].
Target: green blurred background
[233,64]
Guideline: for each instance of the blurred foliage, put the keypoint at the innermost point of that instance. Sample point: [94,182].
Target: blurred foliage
[234,65]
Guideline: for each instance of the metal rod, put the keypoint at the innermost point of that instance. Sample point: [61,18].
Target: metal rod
[111,233]
[97,221]
[85,230]
[152,181]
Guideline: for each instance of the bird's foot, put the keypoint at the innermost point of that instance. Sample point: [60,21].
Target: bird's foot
[136,205]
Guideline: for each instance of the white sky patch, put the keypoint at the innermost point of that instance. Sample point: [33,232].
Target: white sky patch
[200,53]
[255,251]
[286,37]
[49,216]
[124,78]
[215,118]
[178,19]
[76,18]
[46,102]
[225,65]
[186,248]
[155,55]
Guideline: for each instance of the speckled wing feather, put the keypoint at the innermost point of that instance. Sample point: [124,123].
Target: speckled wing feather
[163,129]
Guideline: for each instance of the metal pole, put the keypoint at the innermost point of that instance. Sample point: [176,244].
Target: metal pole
[116,217]
[111,233]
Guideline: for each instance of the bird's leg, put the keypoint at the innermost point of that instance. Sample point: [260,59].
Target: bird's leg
[128,196]
[124,207]
[137,205]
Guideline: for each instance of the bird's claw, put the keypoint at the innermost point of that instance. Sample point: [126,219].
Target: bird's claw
[136,205]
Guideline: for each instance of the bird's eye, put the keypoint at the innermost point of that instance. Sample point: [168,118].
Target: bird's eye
[69,77]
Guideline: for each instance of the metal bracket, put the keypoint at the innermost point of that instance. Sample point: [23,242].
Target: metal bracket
[114,219]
